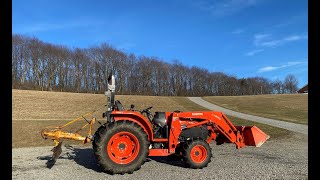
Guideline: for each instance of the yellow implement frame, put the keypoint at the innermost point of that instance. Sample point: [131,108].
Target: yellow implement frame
[56,134]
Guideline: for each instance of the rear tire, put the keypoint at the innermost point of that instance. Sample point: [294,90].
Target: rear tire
[197,153]
[121,147]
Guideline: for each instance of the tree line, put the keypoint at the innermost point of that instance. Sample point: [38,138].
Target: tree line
[37,65]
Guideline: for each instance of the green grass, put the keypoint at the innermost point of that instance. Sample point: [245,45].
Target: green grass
[286,107]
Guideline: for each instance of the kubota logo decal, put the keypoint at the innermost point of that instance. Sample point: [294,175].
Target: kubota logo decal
[217,116]
[197,114]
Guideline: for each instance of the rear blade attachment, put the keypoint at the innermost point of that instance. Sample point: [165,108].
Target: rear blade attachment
[57,150]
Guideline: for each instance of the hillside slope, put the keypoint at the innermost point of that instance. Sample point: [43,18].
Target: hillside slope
[287,107]
[44,105]
[34,110]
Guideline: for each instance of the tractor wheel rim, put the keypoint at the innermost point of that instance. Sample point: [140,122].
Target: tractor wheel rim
[123,147]
[198,154]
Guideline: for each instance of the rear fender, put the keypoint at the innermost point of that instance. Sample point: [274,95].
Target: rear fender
[135,117]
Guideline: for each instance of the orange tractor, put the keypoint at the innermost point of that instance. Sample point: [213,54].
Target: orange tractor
[122,144]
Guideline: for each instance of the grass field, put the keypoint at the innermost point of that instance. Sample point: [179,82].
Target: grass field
[287,107]
[44,105]
[34,110]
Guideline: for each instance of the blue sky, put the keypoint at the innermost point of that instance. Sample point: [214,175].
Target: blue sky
[243,38]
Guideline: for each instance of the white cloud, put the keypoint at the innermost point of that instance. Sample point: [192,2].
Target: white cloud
[268,68]
[298,18]
[292,38]
[259,38]
[224,7]
[272,68]
[253,52]
[238,31]
[266,40]
[40,26]
[271,43]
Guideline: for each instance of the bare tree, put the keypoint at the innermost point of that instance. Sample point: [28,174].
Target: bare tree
[291,83]
[277,87]
[44,66]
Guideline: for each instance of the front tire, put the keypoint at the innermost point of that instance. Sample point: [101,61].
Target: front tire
[121,147]
[197,153]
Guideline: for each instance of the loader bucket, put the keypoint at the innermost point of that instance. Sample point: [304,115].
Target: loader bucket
[253,136]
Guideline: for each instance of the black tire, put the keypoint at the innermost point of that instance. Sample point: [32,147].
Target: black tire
[98,131]
[107,158]
[197,153]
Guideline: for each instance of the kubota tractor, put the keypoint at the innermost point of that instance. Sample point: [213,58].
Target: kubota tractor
[122,143]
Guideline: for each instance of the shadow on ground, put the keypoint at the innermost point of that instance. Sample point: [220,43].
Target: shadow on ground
[85,158]
[171,160]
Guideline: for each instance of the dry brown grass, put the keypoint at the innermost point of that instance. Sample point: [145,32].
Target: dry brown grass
[273,132]
[34,110]
[44,105]
[27,133]
[287,107]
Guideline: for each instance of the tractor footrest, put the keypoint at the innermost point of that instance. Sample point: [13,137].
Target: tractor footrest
[160,140]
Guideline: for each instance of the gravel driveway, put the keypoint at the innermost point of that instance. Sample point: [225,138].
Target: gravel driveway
[285,158]
[275,159]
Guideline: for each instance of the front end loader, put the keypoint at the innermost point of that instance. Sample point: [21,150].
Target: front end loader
[128,136]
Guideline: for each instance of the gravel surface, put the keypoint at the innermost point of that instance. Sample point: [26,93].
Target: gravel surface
[300,128]
[275,159]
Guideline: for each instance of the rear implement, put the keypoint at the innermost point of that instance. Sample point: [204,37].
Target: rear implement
[57,134]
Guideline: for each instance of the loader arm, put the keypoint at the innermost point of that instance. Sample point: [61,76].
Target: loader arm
[222,130]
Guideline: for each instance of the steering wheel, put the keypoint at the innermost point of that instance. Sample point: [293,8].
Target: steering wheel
[119,105]
[148,112]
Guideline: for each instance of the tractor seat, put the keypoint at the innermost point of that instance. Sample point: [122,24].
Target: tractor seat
[160,119]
